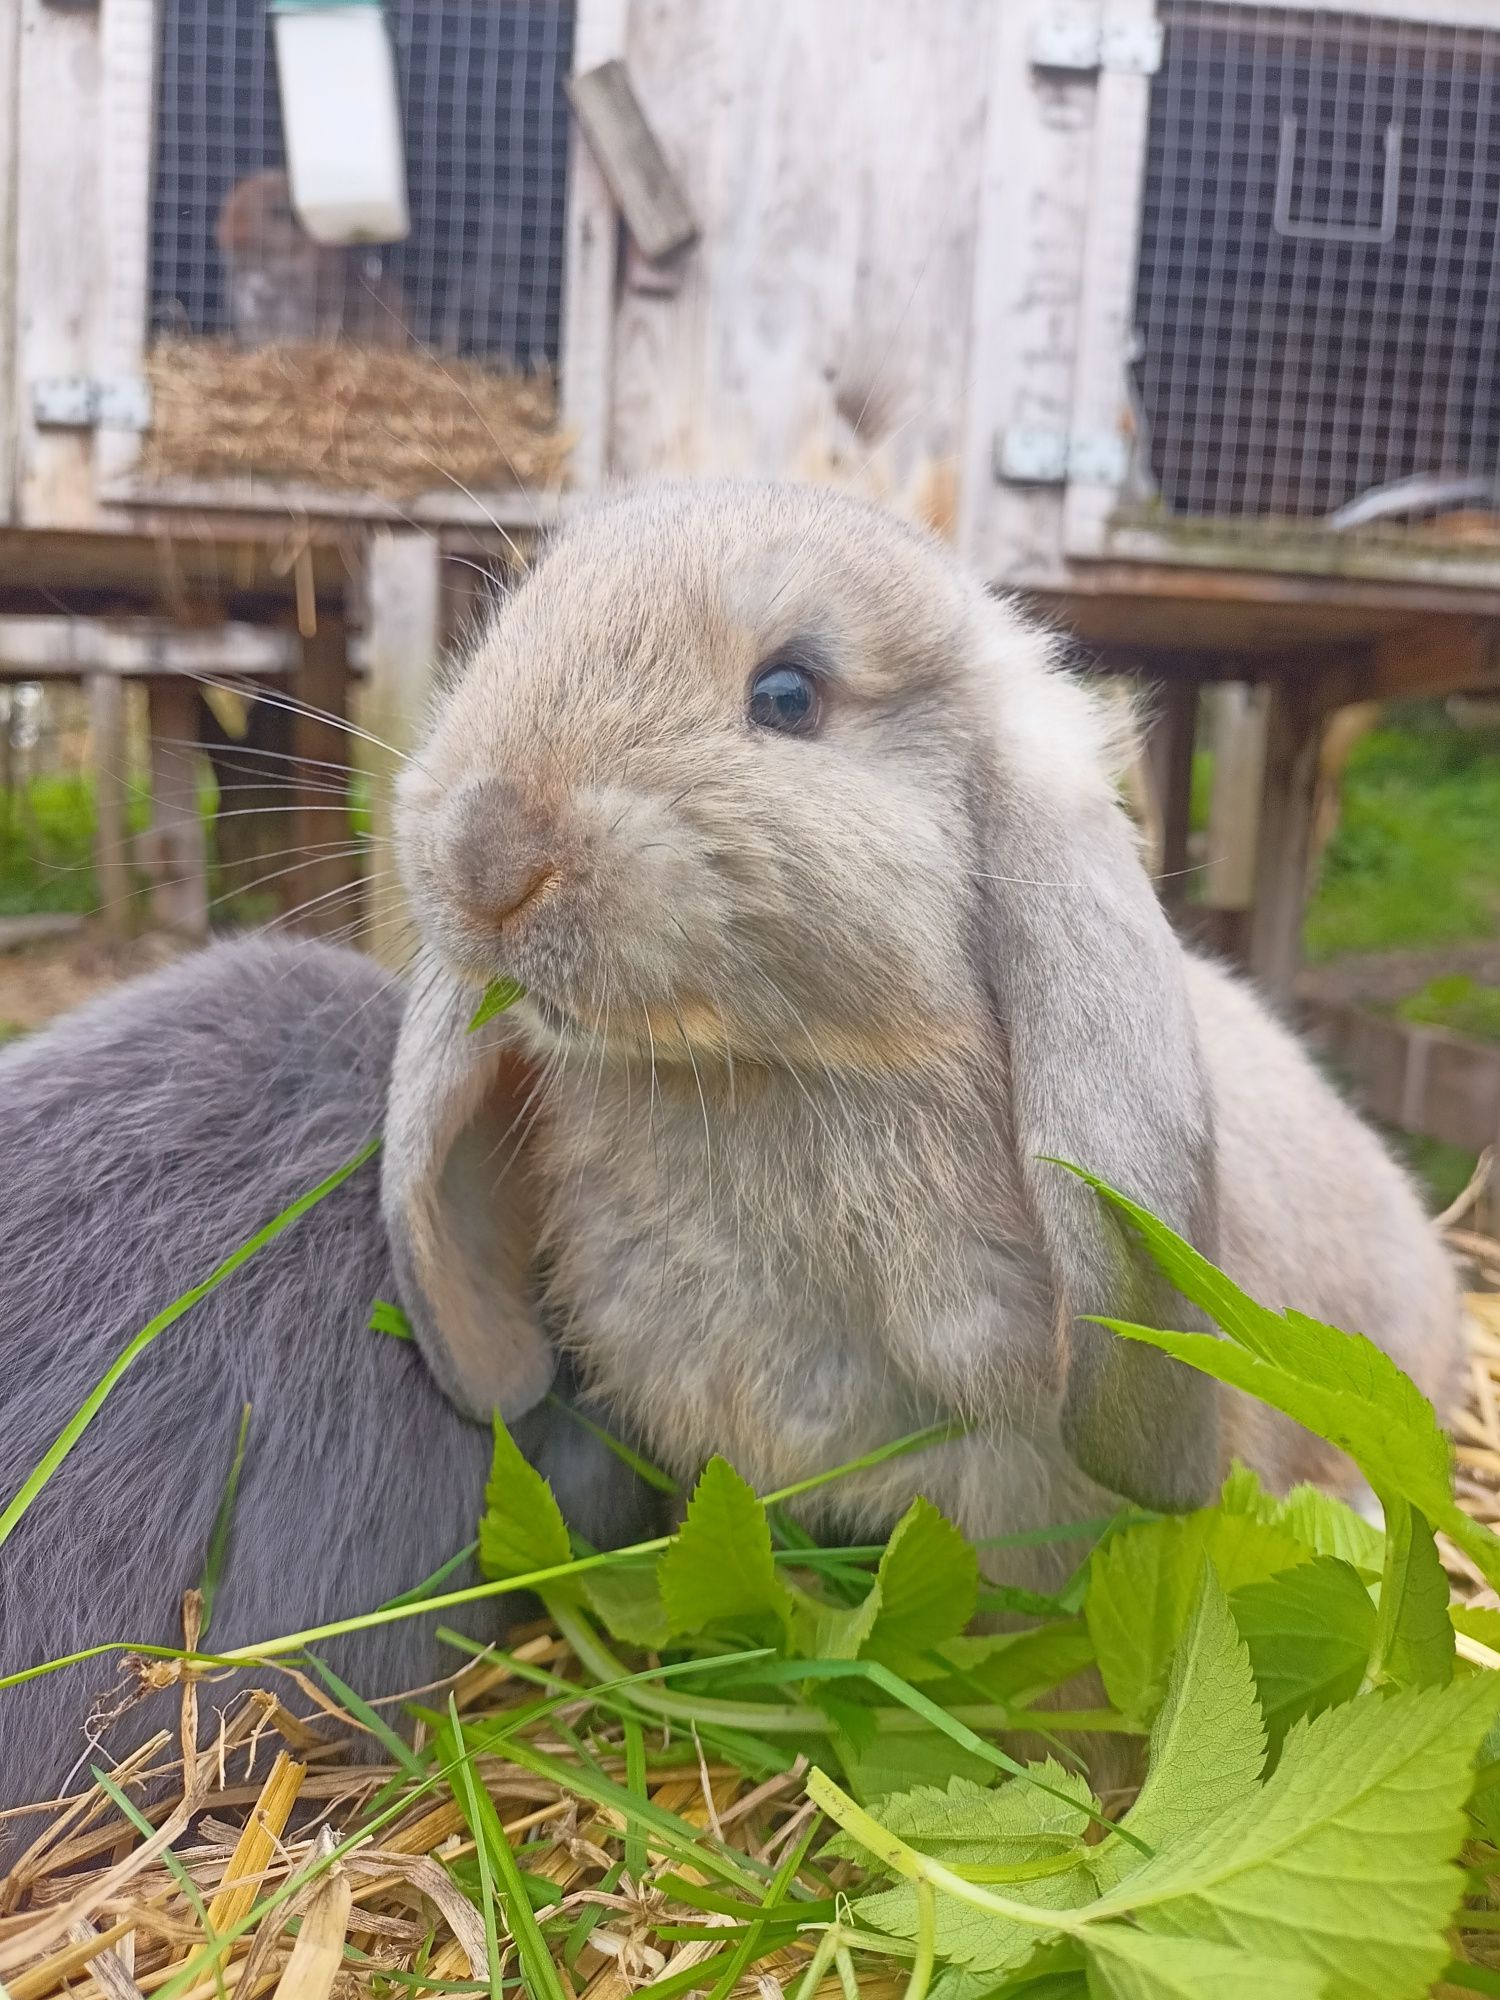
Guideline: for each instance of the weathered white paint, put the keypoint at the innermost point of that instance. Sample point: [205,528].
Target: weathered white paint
[404,626]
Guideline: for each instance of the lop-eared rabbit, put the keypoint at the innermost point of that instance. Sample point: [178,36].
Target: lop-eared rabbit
[835,938]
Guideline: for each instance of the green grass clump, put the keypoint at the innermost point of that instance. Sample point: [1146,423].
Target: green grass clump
[1415,861]
[1457,1002]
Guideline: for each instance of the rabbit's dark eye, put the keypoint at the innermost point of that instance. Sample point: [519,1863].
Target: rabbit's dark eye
[785,696]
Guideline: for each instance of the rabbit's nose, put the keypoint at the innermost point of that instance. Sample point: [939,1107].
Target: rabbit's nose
[504,850]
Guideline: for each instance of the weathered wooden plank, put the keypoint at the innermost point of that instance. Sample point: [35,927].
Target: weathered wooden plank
[650,196]
[322,886]
[59,251]
[1423,1080]
[1295,717]
[589,266]
[403,588]
[10,67]
[174,849]
[1238,737]
[51,648]
[127,52]
[108,752]
[821,327]
[1171,739]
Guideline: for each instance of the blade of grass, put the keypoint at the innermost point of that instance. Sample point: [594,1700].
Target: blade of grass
[635,1778]
[539,1973]
[419,1592]
[218,1541]
[399,1751]
[21,1502]
[468,1794]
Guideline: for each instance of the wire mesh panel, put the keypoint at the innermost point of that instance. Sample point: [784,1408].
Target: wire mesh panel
[486,154]
[1318,295]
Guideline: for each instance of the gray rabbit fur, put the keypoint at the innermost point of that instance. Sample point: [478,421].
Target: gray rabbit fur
[814,1013]
[141,1140]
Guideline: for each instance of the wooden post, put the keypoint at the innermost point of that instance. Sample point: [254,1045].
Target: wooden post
[1295,716]
[178,856]
[1170,743]
[323,893]
[108,751]
[404,596]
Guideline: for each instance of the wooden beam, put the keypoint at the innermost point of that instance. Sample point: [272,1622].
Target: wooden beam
[67,648]
[108,752]
[1238,737]
[403,581]
[322,886]
[1295,718]
[1171,741]
[630,158]
[175,850]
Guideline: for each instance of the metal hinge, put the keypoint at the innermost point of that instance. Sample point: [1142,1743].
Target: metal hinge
[1039,455]
[1071,41]
[80,402]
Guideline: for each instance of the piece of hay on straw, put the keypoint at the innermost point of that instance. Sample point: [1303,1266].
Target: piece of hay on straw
[396,423]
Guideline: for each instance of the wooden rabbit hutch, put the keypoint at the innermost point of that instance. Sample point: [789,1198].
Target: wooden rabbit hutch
[1181,317]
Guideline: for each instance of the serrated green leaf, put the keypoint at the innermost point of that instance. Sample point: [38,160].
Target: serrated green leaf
[824,1631]
[1026,1824]
[1339,1385]
[1208,1744]
[1015,1667]
[498,995]
[1132,1965]
[522,1527]
[927,1582]
[1309,1632]
[1142,1584]
[975,1825]
[627,1597]
[1413,1641]
[386,1317]
[1343,1861]
[720,1567]
[879,1763]
[1325,1526]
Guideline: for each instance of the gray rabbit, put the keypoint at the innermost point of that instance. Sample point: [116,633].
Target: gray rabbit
[835,938]
[141,1140]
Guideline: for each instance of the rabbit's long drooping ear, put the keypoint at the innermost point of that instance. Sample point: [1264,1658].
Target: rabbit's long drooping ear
[1103,1070]
[459,1206]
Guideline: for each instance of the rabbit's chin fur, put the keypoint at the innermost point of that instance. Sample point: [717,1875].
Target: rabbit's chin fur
[816,1014]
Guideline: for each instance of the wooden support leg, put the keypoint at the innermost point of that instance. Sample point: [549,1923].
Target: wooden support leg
[109,751]
[405,635]
[1173,735]
[324,883]
[1295,717]
[178,851]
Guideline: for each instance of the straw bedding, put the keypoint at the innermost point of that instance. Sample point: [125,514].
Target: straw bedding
[390,422]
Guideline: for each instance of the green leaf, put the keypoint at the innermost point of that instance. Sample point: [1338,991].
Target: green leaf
[720,1567]
[498,995]
[223,1528]
[832,1631]
[388,1318]
[927,1582]
[1132,1965]
[1309,1632]
[627,1597]
[1413,1641]
[1208,1744]
[1143,1582]
[1005,1828]
[522,1527]
[1337,1384]
[879,1763]
[1343,1860]
[1014,1667]
[1322,1524]
[976,1826]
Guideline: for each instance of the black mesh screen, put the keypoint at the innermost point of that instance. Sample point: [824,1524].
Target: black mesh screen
[1318,297]
[486,158]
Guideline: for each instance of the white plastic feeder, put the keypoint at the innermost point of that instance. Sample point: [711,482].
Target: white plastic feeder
[341,120]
